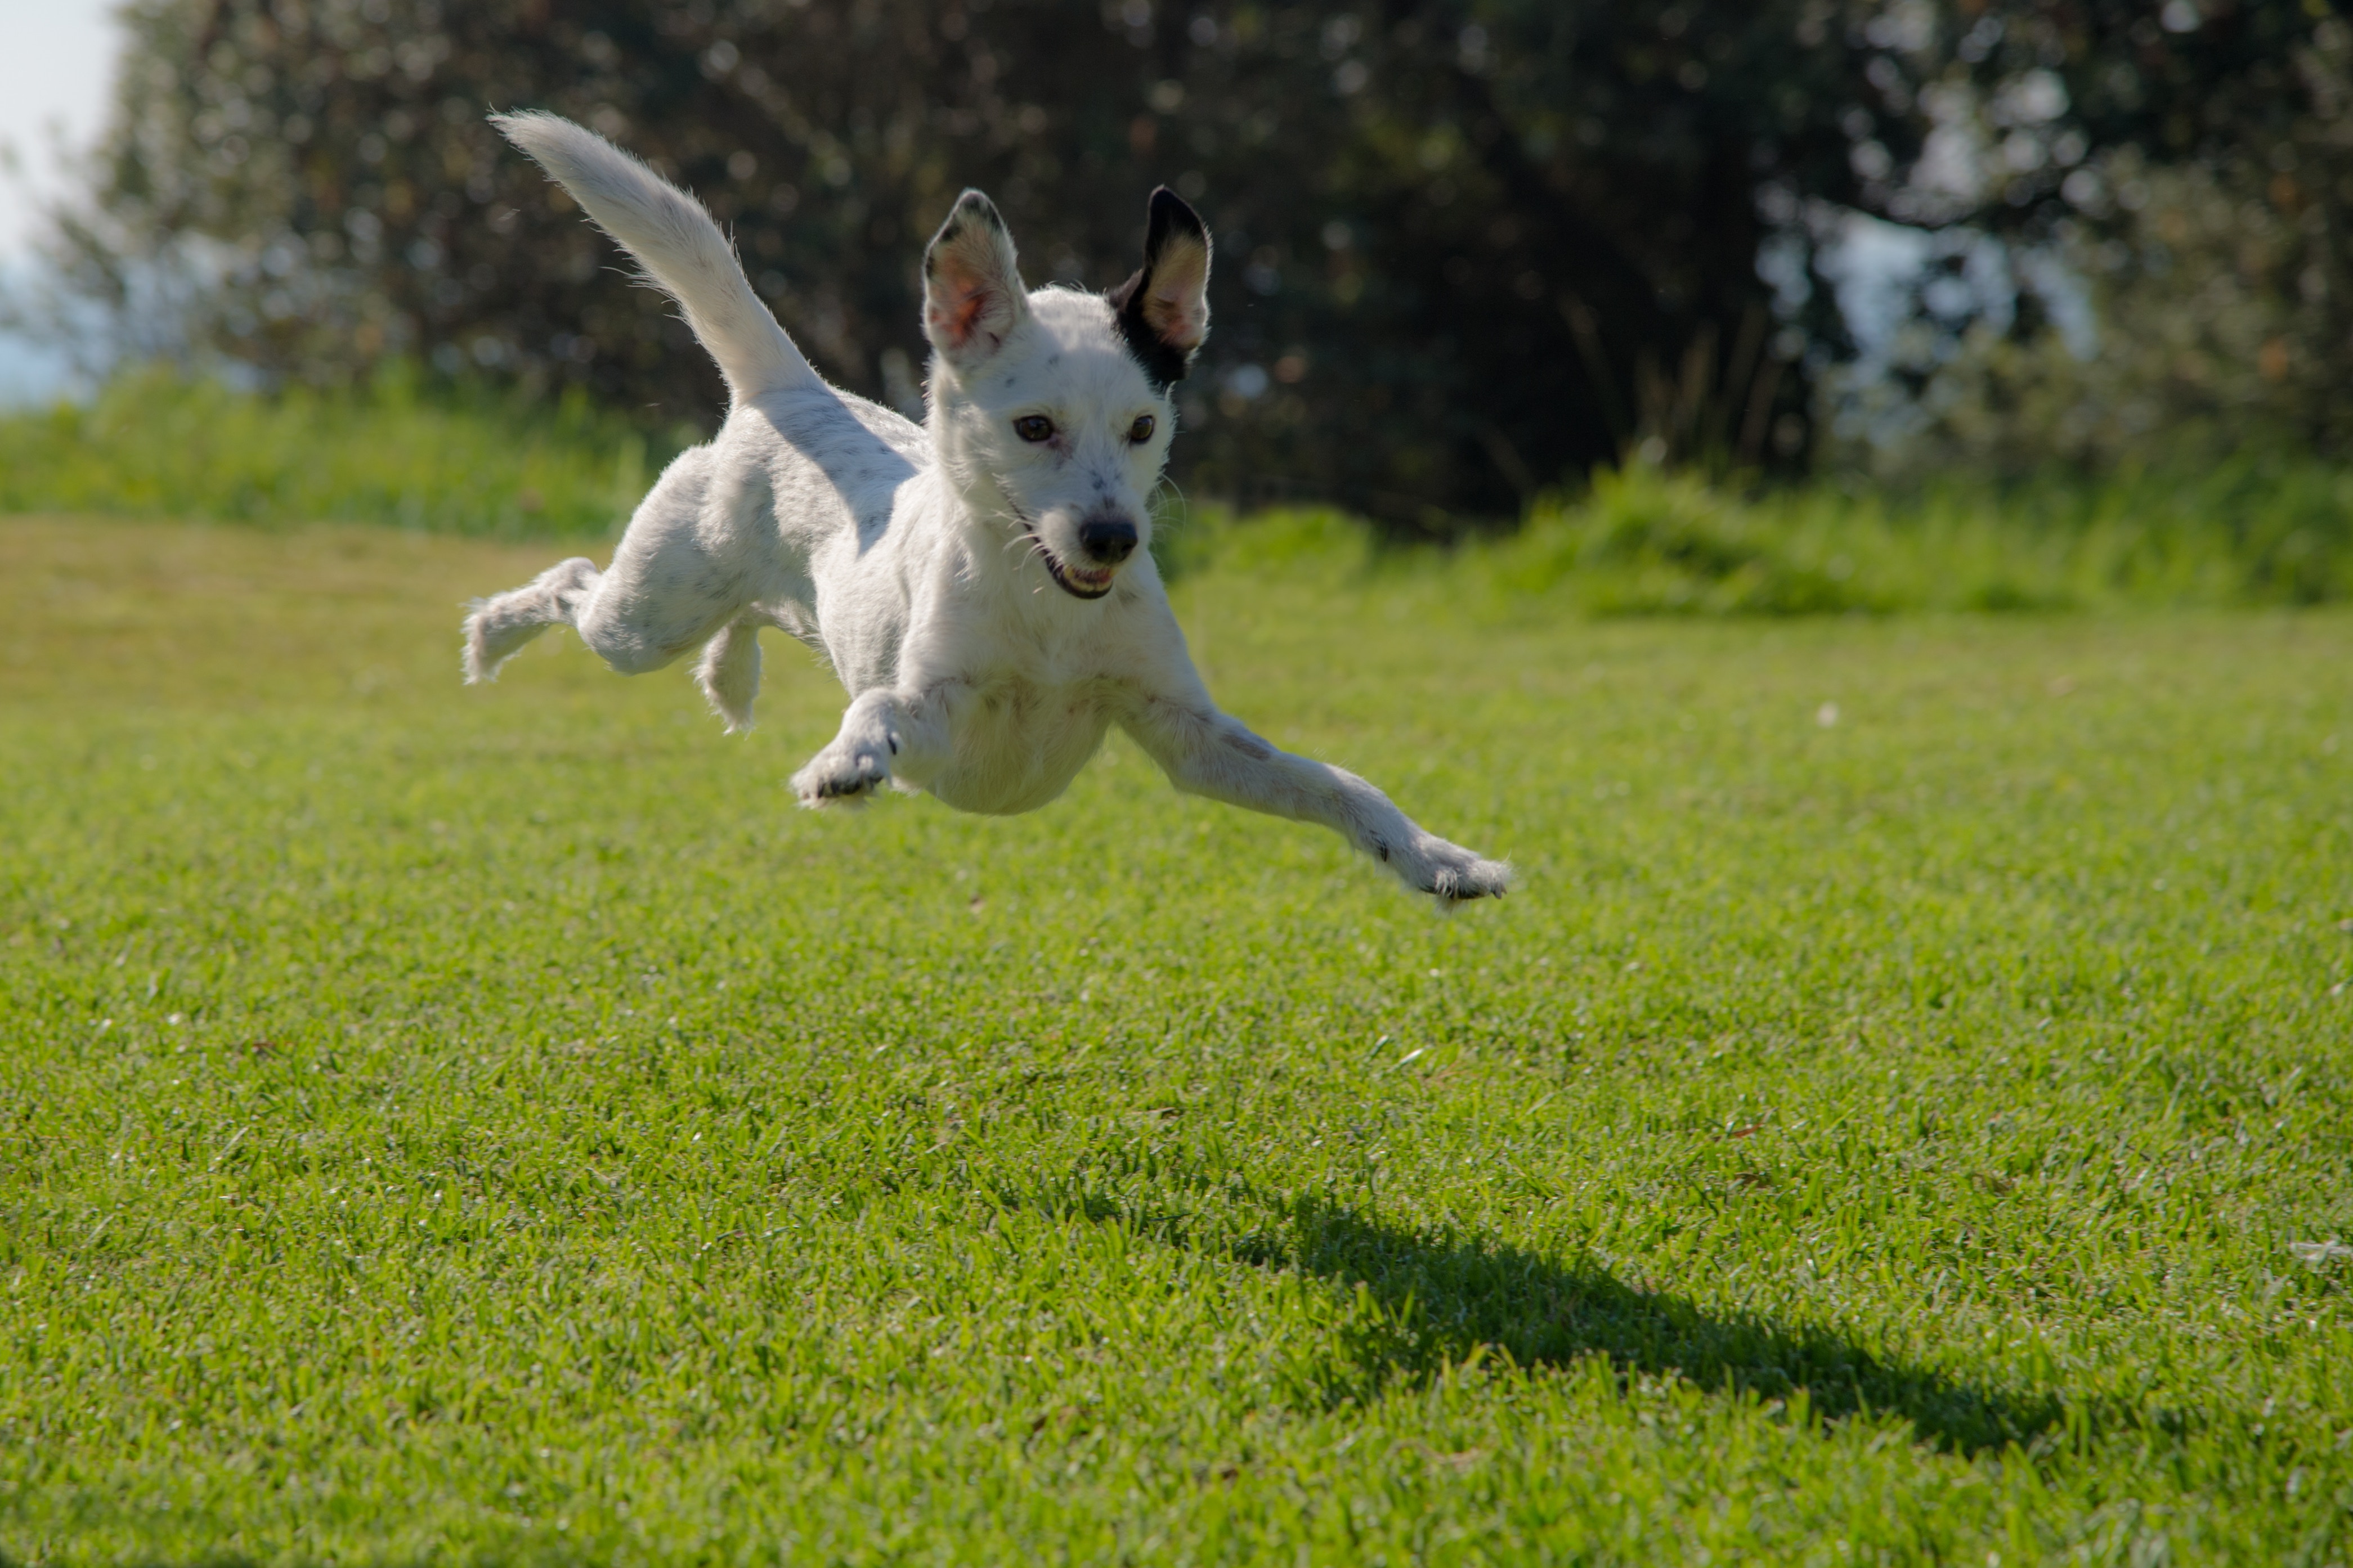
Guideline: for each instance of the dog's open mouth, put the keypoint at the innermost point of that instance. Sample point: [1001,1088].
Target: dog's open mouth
[1079,582]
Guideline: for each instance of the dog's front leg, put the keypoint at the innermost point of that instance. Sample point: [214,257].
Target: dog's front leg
[1206,752]
[885,731]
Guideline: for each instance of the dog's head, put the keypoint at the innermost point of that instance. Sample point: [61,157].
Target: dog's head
[1052,409]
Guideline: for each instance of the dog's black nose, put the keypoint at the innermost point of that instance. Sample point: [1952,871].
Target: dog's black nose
[1109,540]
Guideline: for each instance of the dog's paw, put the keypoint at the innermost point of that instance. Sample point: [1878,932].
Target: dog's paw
[491,639]
[1450,873]
[842,775]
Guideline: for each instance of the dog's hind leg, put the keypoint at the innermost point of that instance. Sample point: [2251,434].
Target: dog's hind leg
[729,672]
[696,553]
[501,624]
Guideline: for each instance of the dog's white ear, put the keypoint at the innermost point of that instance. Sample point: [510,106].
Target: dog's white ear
[1163,309]
[973,297]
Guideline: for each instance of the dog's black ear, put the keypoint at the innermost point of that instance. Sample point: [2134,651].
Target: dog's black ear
[1163,309]
[973,297]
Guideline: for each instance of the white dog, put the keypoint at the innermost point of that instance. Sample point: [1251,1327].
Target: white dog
[917,559]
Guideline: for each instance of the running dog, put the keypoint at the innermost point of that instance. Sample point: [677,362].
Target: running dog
[982,582]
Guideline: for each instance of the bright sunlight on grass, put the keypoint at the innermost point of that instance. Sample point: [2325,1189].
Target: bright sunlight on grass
[1898,1118]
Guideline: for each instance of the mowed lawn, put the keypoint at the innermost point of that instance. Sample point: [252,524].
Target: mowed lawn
[1897,1119]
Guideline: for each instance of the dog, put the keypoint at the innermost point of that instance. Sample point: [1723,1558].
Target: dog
[983,583]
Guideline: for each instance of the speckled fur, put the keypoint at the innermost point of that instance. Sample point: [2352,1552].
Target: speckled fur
[938,567]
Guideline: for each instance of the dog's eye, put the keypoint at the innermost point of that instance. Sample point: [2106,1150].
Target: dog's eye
[1141,431]
[1034,427]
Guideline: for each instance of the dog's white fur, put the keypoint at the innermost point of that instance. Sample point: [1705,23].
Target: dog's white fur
[939,568]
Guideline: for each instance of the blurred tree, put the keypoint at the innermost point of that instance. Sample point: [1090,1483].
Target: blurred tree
[1466,249]
[2190,165]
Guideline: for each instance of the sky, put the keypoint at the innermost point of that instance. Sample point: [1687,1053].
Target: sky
[56,57]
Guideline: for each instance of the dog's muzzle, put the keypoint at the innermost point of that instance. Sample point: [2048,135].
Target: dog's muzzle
[1107,541]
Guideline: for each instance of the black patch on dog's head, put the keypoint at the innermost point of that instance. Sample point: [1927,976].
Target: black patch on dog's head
[1164,334]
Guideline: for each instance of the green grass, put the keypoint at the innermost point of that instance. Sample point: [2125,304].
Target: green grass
[494,1127]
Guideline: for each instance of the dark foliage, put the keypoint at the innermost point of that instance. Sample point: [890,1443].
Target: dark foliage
[1462,247]
[2192,162]
[2253,99]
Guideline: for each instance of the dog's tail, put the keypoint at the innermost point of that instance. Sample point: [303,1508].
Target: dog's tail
[674,239]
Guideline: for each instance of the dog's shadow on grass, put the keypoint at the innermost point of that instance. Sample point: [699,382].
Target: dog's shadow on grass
[1440,1298]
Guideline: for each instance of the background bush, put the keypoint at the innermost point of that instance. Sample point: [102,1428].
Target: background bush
[1637,541]
[155,444]
[1645,542]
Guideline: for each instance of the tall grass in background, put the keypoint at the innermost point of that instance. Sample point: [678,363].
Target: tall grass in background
[1643,541]
[1639,541]
[2252,531]
[154,444]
